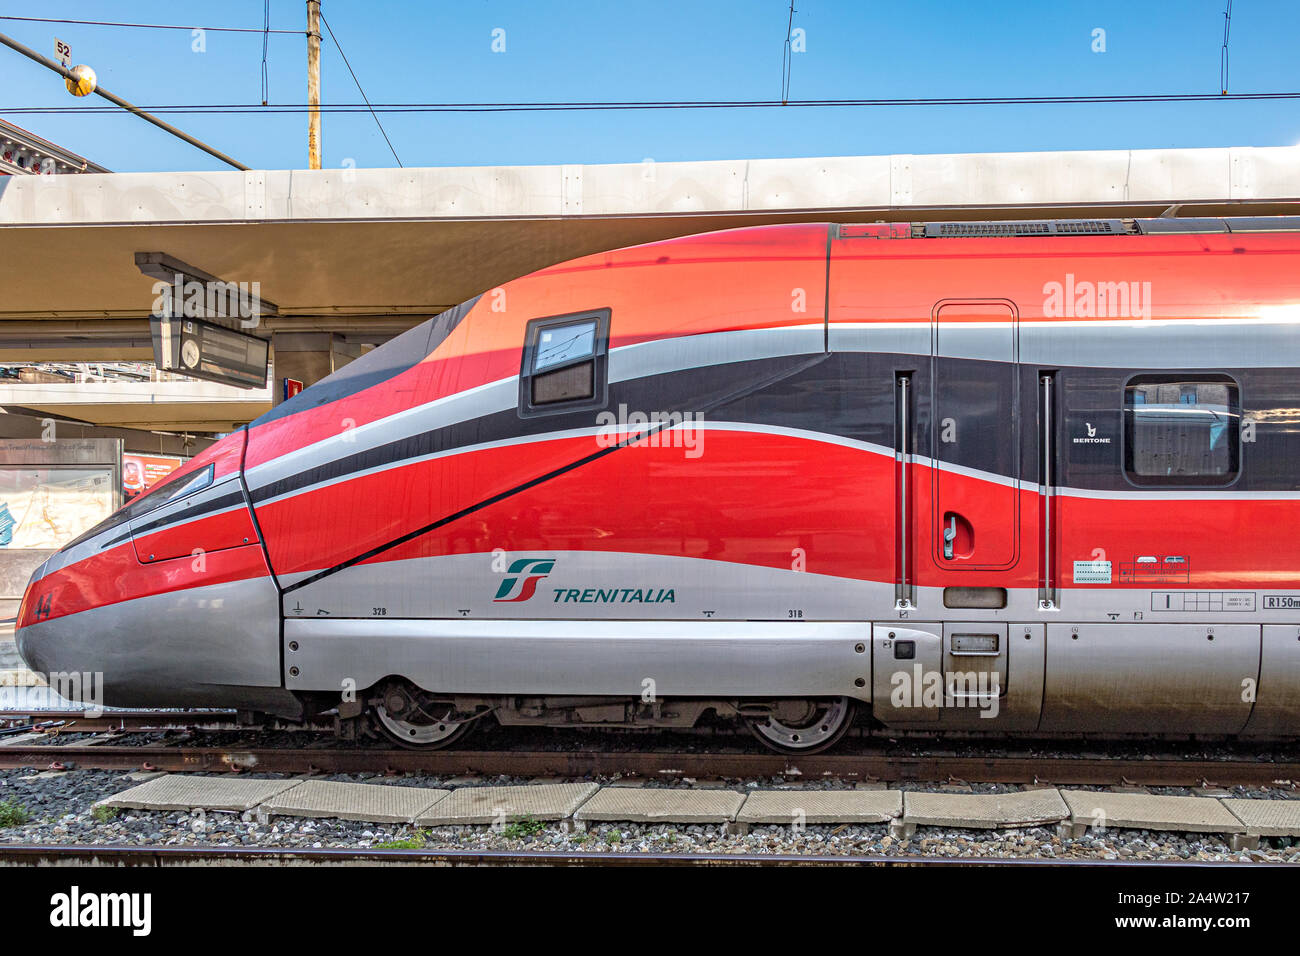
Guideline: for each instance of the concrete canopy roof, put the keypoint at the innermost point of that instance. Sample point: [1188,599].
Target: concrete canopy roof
[201,418]
[174,406]
[368,252]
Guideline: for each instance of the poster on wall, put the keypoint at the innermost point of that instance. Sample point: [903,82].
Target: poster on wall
[48,507]
[141,472]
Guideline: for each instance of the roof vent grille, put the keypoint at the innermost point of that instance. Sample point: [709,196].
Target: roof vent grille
[1042,227]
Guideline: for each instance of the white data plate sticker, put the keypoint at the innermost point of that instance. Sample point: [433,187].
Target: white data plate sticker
[1092,572]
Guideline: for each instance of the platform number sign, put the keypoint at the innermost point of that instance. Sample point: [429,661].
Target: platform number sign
[63,52]
[291,388]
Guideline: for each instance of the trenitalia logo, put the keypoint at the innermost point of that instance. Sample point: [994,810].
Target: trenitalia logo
[524,575]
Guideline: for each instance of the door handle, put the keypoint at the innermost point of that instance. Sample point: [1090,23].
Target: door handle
[949,536]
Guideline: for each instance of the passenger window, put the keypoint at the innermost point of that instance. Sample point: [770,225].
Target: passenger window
[1182,430]
[561,344]
[564,363]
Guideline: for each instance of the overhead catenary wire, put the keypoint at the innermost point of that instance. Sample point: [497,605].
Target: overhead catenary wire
[266,38]
[525,107]
[339,46]
[152,26]
[787,57]
[1223,59]
[118,101]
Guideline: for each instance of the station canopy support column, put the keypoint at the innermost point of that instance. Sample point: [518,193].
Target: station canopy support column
[308,357]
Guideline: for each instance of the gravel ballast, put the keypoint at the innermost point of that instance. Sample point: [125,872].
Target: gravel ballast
[60,808]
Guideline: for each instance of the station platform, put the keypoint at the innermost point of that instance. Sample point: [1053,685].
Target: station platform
[1072,812]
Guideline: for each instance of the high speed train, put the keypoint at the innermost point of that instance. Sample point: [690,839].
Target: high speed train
[1001,478]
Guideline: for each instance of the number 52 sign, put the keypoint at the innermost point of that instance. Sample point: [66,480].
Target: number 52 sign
[63,52]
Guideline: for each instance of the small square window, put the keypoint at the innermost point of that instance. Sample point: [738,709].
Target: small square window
[1182,430]
[562,344]
[564,364]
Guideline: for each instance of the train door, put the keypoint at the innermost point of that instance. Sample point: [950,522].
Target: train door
[958,553]
[974,441]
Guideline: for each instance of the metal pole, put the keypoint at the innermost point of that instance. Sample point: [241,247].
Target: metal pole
[1049,593]
[313,84]
[118,101]
[904,456]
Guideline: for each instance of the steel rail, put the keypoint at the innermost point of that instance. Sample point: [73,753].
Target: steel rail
[137,721]
[173,856]
[664,765]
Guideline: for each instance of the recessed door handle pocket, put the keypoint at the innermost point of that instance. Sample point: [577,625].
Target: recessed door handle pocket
[958,537]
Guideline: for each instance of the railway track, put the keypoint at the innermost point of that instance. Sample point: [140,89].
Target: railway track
[27,855]
[103,753]
[141,721]
[662,765]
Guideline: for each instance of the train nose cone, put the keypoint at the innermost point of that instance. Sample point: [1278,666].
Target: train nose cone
[52,648]
[28,649]
[76,655]
[38,648]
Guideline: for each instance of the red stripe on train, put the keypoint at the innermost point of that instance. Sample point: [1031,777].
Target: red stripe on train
[116,576]
[753,498]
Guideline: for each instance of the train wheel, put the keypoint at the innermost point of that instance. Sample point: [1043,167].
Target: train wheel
[408,718]
[806,728]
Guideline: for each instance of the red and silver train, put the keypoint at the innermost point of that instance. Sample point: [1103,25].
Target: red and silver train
[1031,478]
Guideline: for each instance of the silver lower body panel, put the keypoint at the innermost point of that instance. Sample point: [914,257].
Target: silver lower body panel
[639,659]
[213,646]
[1161,679]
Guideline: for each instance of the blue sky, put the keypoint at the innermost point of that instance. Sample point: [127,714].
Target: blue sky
[730,49]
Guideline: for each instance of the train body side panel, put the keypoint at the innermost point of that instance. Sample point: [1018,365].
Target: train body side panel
[1159,598]
[876,436]
[694,324]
